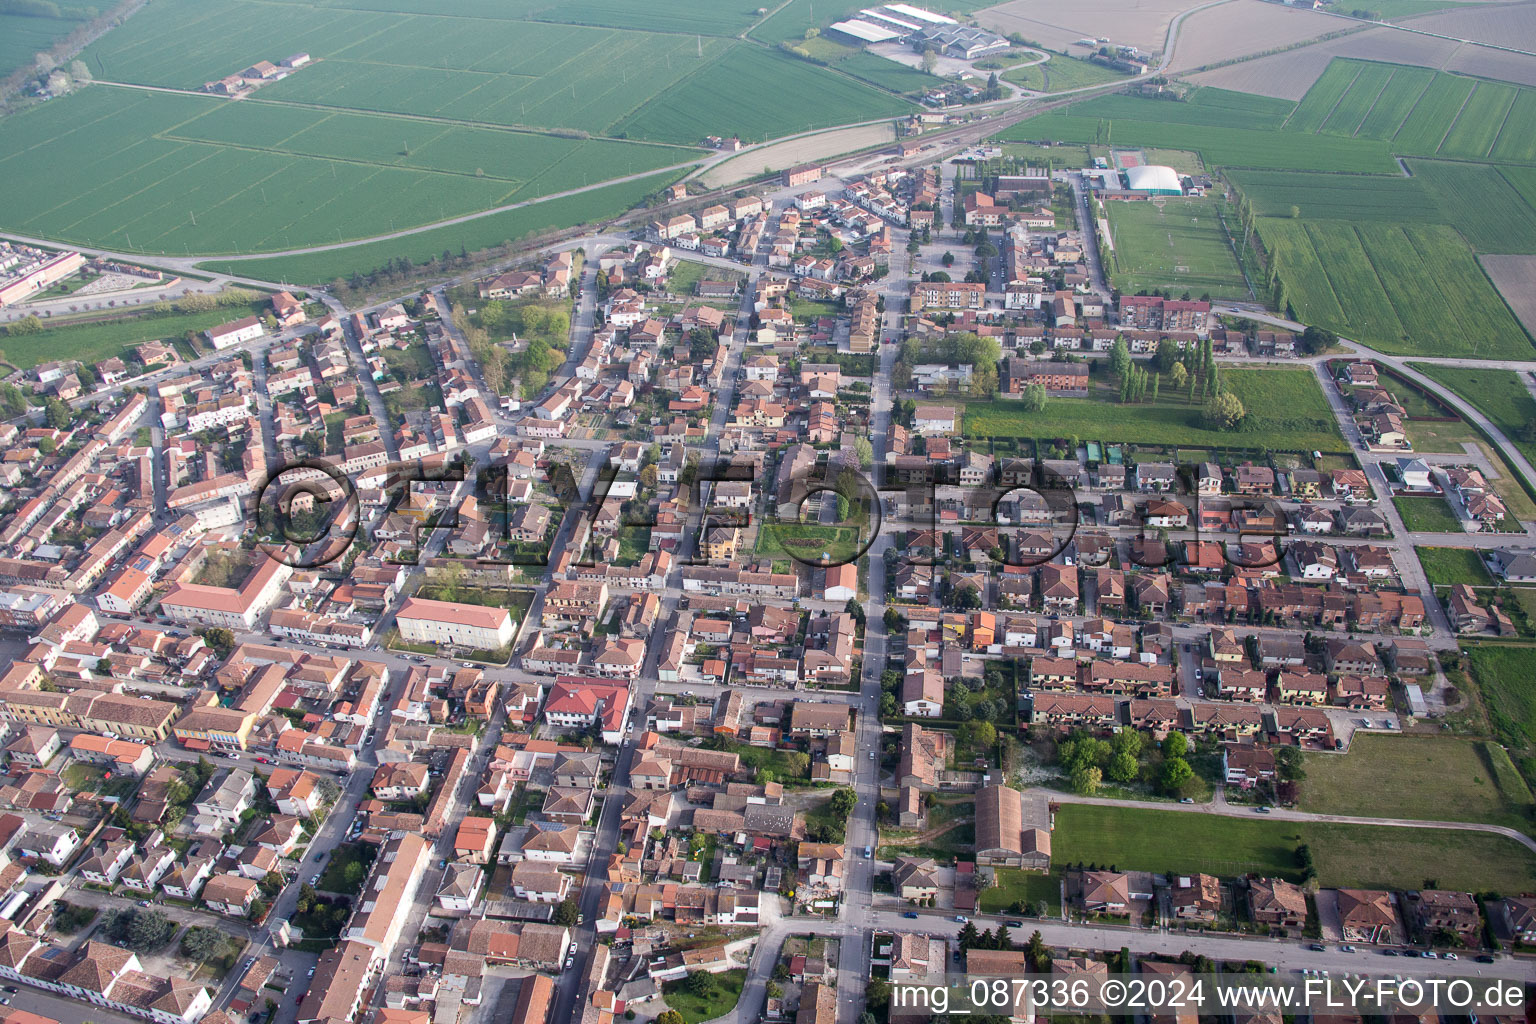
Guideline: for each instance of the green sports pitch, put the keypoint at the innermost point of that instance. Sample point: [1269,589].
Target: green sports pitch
[1173,243]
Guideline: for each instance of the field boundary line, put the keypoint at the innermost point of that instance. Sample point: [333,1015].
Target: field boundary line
[1333,291]
[1379,94]
[1415,105]
[1503,123]
[245,147]
[1323,124]
[1459,111]
[332,110]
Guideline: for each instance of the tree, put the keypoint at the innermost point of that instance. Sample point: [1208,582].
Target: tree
[1086,780]
[670,1017]
[930,61]
[1175,745]
[202,944]
[968,936]
[1122,767]
[1178,376]
[1034,397]
[698,983]
[1037,953]
[220,639]
[984,381]
[272,884]
[566,913]
[58,414]
[1224,412]
[144,931]
[1176,771]
[948,259]
[978,734]
[843,802]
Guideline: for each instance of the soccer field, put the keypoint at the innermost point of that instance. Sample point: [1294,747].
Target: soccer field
[1177,244]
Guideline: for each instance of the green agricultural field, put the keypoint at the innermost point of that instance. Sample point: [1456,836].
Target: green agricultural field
[1178,244]
[1427,515]
[1480,202]
[1365,282]
[1446,567]
[1357,103]
[792,21]
[323,267]
[1325,196]
[1500,395]
[1153,123]
[1429,778]
[1395,103]
[1138,839]
[1431,117]
[1503,675]
[157,172]
[1477,127]
[1517,142]
[93,342]
[1325,95]
[886,73]
[1207,107]
[725,95]
[1286,411]
[23,36]
[407,114]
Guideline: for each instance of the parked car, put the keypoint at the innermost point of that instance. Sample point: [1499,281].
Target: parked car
[1014,924]
[910,913]
[1318,947]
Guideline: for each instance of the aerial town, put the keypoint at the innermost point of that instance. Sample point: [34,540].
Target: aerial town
[852,578]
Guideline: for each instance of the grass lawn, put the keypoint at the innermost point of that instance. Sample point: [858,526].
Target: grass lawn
[1427,515]
[1498,394]
[1180,245]
[336,877]
[1286,411]
[1014,885]
[719,995]
[1504,675]
[1353,855]
[1444,778]
[687,274]
[93,342]
[1449,566]
[807,540]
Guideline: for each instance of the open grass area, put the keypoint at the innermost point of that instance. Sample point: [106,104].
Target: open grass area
[1286,410]
[1427,515]
[206,175]
[324,267]
[23,36]
[1363,280]
[1178,244]
[809,541]
[1014,885]
[1352,855]
[724,94]
[721,991]
[1500,395]
[1432,778]
[1446,567]
[1504,676]
[407,114]
[1060,73]
[93,342]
